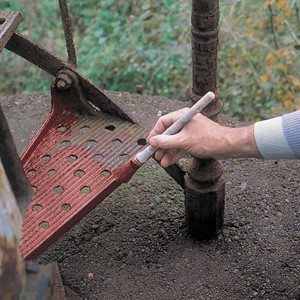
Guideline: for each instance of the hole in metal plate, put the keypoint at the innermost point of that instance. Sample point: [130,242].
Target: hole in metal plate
[61,128]
[72,157]
[58,189]
[116,142]
[141,142]
[44,225]
[91,143]
[84,129]
[31,172]
[51,172]
[65,143]
[85,190]
[34,188]
[124,157]
[46,158]
[110,127]
[105,173]
[98,157]
[79,173]
[37,207]
[66,207]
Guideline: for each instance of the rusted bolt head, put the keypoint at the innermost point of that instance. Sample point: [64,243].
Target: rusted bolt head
[139,89]
[63,81]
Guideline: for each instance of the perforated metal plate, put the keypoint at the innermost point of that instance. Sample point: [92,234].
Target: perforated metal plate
[71,164]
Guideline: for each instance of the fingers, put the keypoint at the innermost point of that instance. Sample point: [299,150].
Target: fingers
[169,147]
[166,121]
[169,157]
[167,141]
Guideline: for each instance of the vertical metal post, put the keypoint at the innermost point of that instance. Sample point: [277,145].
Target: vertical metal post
[12,165]
[12,267]
[204,181]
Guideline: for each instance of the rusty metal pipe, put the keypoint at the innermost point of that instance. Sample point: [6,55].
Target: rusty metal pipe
[12,165]
[50,63]
[12,267]
[66,21]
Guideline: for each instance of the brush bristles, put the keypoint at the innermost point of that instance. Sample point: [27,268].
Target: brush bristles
[124,173]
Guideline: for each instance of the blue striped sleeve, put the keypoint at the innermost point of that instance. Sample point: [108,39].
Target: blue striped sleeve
[279,138]
[291,129]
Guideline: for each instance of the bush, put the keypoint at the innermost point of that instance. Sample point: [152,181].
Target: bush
[124,43]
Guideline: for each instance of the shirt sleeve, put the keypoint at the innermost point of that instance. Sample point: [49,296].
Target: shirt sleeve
[279,138]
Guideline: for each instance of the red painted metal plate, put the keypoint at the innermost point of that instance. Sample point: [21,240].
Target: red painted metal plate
[72,165]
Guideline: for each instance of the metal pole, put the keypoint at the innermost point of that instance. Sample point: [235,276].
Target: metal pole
[66,21]
[204,181]
[12,165]
[12,266]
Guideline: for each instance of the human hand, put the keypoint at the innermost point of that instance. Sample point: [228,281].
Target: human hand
[195,138]
[202,138]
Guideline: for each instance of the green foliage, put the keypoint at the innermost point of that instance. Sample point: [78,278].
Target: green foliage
[121,44]
[258,65]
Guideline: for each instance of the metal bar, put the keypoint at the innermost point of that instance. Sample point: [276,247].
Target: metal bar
[12,267]
[48,62]
[12,165]
[9,21]
[204,181]
[66,21]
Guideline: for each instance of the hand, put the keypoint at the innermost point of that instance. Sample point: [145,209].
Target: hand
[202,138]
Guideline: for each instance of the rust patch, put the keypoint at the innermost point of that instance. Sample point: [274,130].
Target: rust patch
[12,276]
[11,263]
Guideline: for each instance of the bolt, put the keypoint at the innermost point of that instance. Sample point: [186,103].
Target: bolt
[63,81]
[139,89]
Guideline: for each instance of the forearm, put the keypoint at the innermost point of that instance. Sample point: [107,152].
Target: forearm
[236,143]
[277,138]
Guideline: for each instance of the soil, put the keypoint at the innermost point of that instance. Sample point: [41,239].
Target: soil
[135,245]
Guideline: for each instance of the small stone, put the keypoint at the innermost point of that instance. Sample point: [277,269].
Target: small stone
[90,275]
[95,226]
[162,269]
[107,281]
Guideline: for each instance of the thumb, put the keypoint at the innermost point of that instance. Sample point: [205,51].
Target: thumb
[164,141]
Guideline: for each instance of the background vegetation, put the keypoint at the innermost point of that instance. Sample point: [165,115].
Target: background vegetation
[123,43]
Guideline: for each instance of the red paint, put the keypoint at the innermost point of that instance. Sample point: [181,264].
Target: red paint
[75,179]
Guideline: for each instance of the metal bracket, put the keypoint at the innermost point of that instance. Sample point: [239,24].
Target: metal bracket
[9,21]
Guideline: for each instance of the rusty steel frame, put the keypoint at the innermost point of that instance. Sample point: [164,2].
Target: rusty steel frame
[204,181]
[18,280]
[12,165]
[9,21]
[12,267]
[73,164]
[78,106]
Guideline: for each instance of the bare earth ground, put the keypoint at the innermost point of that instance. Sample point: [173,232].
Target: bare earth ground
[134,245]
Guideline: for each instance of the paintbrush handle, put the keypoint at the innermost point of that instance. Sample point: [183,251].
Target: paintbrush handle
[144,155]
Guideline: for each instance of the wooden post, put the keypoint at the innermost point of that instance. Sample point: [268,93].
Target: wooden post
[204,181]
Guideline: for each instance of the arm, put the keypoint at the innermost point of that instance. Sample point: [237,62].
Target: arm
[206,139]
[279,137]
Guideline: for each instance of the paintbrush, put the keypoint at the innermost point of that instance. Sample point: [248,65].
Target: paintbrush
[124,173]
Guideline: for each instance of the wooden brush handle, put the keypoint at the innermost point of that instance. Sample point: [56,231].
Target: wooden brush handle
[144,155]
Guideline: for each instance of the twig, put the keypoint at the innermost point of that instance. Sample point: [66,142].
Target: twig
[273,27]
[297,15]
